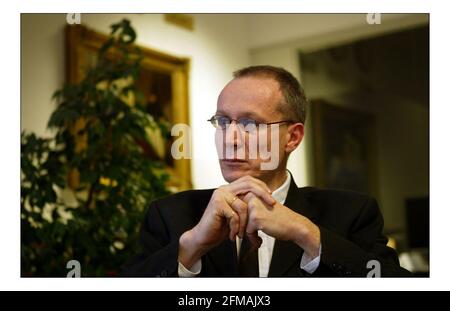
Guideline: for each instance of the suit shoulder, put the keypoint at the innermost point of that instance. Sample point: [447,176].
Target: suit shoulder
[188,197]
[335,197]
[339,209]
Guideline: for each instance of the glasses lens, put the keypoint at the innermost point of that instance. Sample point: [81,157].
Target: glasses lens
[221,122]
[248,125]
[247,122]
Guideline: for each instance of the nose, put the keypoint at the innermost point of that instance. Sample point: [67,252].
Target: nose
[230,142]
[234,134]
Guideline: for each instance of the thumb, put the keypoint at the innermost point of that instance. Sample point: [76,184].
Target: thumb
[254,239]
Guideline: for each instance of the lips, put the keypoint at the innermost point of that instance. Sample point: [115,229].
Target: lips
[234,160]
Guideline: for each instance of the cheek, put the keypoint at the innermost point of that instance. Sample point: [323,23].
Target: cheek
[265,139]
[219,142]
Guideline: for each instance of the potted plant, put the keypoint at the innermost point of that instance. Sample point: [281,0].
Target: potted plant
[84,190]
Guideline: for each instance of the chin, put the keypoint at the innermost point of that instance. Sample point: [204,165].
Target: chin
[230,174]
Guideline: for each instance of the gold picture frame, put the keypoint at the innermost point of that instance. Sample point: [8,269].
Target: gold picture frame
[169,75]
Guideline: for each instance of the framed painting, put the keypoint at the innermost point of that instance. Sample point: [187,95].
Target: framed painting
[163,81]
[344,152]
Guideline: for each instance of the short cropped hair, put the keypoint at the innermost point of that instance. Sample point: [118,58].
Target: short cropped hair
[295,102]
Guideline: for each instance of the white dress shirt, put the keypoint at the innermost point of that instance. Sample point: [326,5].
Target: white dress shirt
[265,251]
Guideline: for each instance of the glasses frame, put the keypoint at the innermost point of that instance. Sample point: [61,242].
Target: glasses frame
[257,123]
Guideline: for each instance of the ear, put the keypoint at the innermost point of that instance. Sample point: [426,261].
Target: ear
[295,133]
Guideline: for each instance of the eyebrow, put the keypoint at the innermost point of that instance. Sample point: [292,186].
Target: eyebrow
[246,114]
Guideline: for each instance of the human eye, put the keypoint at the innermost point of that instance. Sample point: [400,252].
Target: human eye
[223,121]
[247,122]
[248,125]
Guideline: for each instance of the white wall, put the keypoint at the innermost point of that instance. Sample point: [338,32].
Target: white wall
[42,69]
[216,47]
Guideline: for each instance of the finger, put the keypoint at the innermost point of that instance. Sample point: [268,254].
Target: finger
[251,225]
[249,196]
[232,219]
[253,201]
[252,235]
[240,207]
[254,239]
[259,182]
[250,180]
[226,212]
[245,187]
[233,227]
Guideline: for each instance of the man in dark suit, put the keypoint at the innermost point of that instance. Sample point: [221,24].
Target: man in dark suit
[261,223]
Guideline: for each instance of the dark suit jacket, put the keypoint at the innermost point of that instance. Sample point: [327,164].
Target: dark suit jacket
[350,225]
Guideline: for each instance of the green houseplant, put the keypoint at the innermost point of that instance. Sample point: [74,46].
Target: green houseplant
[84,190]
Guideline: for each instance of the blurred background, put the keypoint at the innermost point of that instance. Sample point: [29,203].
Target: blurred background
[367,128]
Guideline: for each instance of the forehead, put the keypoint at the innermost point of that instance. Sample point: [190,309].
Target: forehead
[246,96]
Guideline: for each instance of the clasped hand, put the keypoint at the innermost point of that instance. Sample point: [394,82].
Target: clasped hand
[242,208]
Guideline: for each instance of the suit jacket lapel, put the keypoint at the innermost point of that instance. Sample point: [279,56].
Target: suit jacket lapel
[286,253]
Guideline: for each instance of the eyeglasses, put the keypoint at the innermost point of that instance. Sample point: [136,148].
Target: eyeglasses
[245,124]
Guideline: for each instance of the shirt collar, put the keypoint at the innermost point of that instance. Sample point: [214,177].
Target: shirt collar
[280,193]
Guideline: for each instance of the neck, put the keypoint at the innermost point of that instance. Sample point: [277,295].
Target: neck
[277,180]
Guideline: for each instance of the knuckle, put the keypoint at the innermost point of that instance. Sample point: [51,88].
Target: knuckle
[243,178]
[251,205]
[249,179]
[253,182]
[240,204]
[257,222]
[233,219]
[246,198]
[254,200]
[220,189]
[216,199]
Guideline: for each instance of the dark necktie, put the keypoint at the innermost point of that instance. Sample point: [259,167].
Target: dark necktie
[248,259]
